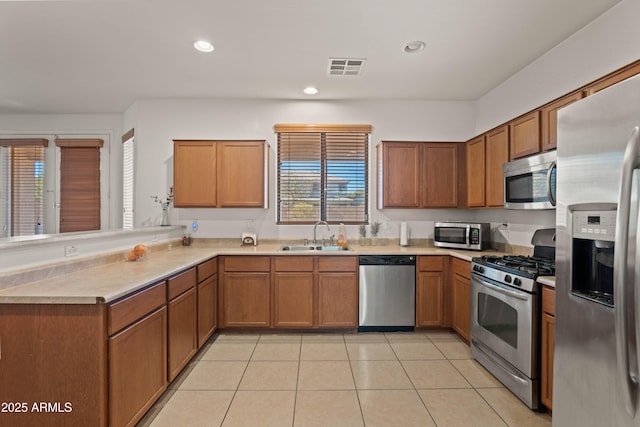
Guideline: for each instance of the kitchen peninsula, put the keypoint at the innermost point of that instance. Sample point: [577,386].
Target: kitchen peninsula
[99,345]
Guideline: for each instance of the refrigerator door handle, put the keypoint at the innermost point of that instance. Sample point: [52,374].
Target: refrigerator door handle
[628,381]
[552,200]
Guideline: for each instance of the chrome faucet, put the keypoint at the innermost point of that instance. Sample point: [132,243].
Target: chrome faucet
[315,229]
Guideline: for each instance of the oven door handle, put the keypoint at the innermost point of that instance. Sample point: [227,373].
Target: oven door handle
[628,381]
[515,294]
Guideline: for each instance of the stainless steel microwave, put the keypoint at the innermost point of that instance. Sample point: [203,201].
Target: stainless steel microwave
[530,183]
[461,235]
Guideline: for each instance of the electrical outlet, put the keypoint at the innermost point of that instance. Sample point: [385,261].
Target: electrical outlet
[71,251]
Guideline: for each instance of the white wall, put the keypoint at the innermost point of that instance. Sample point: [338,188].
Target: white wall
[609,42]
[160,121]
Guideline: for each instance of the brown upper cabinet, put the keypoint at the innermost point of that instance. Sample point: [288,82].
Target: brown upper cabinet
[485,156]
[524,135]
[613,78]
[476,172]
[549,119]
[222,174]
[419,174]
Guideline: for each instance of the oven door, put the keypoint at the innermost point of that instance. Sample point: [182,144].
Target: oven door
[504,320]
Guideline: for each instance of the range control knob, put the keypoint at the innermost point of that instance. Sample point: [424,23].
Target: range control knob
[478,268]
[517,282]
[507,278]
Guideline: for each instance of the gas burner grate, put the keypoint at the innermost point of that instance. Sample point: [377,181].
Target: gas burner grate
[531,265]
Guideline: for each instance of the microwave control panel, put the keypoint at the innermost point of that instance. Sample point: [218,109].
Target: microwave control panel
[474,237]
[594,225]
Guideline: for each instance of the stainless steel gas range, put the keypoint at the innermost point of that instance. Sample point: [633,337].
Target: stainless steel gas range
[505,316]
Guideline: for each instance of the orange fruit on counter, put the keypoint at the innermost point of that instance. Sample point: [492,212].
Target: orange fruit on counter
[140,250]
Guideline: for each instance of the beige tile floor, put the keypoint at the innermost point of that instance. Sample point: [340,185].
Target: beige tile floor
[370,379]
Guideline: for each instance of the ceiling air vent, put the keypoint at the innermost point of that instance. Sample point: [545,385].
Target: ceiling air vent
[345,66]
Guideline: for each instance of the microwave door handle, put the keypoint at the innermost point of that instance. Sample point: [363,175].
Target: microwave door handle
[549,192]
[468,235]
[627,380]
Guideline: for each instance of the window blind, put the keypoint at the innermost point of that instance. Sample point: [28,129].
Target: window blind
[128,174]
[323,173]
[79,183]
[22,186]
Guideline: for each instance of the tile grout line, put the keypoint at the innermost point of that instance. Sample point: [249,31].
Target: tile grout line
[235,392]
[295,394]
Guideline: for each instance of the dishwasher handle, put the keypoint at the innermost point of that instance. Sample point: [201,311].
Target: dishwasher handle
[387,260]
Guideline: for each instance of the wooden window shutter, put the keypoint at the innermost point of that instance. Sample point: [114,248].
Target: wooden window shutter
[79,184]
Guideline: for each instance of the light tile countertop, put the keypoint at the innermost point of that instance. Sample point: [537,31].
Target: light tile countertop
[107,282]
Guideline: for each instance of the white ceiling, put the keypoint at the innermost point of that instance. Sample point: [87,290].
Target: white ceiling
[99,56]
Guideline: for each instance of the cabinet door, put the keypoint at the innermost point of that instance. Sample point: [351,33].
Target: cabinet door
[476,172]
[246,299]
[241,174]
[440,169]
[400,172]
[549,120]
[207,309]
[546,392]
[497,153]
[194,174]
[293,293]
[461,306]
[429,298]
[137,368]
[182,331]
[337,300]
[524,135]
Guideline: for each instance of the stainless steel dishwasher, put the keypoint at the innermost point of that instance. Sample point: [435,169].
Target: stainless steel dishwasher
[387,298]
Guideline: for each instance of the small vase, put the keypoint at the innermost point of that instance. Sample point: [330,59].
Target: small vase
[165,218]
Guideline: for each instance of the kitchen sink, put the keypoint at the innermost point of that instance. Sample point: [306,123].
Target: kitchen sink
[294,248]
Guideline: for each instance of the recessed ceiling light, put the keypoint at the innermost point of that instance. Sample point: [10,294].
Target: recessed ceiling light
[413,47]
[310,90]
[203,46]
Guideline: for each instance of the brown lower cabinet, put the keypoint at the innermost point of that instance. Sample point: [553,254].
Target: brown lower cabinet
[337,292]
[461,297]
[137,368]
[430,291]
[294,290]
[207,308]
[182,331]
[308,291]
[547,334]
[182,321]
[245,291]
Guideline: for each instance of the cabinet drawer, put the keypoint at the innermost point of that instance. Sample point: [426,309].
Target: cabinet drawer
[247,263]
[549,300]
[293,263]
[207,269]
[181,282]
[134,307]
[337,263]
[431,263]
[461,267]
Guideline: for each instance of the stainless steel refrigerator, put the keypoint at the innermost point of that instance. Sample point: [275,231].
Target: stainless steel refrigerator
[597,266]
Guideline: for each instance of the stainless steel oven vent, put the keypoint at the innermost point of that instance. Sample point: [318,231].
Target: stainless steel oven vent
[346,66]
